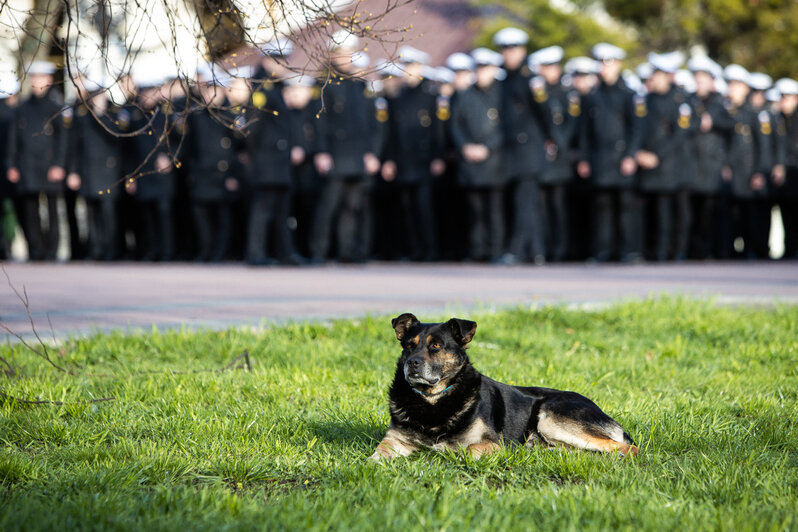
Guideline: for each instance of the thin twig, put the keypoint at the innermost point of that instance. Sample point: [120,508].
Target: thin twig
[41,402]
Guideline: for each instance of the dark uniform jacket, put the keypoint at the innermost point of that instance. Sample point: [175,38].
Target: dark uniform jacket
[303,135]
[154,136]
[565,109]
[210,153]
[790,124]
[476,119]
[666,126]
[772,146]
[744,149]
[609,132]
[37,141]
[6,119]
[95,151]
[710,148]
[346,127]
[525,119]
[412,133]
[269,139]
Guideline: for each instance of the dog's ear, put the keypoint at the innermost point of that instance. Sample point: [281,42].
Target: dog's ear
[463,330]
[401,324]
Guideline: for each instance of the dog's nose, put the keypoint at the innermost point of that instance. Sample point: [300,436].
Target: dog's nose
[413,362]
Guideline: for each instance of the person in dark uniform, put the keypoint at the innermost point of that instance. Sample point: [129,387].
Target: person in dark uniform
[412,155]
[524,121]
[609,137]
[301,96]
[564,109]
[271,177]
[709,147]
[583,72]
[388,239]
[345,156]
[9,88]
[95,169]
[449,199]
[786,189]
[770,159]
[666,124]
[153,183]
[36,160]
[210,152]
[748,181]
[477,132]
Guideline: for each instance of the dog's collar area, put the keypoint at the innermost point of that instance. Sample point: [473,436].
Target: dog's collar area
[425,394]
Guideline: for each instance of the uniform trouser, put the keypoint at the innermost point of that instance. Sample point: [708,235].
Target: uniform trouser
[76,247]
[213,225]
[305,202]
[664,229]
[706,226]
[527,237]
[556,216]
[748,217]
[617,213]
[268,211]
[159,228]
[42,242]
[486,228]
[418,220]
[684,223]
[103,231]
[789,217]
[343,202]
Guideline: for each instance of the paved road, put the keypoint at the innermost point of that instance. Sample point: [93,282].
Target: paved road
[80,298]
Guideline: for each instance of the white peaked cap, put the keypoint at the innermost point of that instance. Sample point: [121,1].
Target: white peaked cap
[41,67]
[546,56]
[9,85]
[773,94]
[279,47]
[300,81]
[408,54]
[387,69]
[460,61]
[702,63]
[735,72]
[581,65]
[669,62]
[361,60]
[633,82]
[444,75]
[685,80]
[759,81]
[787,86]
[343,39]
[510,37]
[607,52]
[486,57]
[644,70]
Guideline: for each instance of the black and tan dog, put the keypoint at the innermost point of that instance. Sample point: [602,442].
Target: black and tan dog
[439,401]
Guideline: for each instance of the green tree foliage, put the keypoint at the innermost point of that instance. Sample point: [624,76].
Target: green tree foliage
[576,30]
[759,34]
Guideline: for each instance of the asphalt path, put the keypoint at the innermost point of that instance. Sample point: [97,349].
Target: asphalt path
[76,299]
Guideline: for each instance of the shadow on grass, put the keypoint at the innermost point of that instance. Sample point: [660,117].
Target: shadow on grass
[338,430]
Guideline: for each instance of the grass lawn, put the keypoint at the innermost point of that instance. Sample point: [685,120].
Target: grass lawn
[710,394]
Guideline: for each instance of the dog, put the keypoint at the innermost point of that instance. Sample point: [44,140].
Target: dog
[438,400]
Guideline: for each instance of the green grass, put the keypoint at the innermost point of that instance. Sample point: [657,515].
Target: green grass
[710,394]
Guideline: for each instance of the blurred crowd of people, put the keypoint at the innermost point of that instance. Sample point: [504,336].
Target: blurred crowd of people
[506,157]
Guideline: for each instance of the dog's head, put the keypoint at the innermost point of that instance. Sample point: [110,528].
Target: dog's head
[432,353]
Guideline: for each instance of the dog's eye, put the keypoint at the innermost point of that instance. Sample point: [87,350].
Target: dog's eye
[435,346]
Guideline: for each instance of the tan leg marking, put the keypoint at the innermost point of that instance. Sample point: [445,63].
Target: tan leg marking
[391,446]
[561,432]
[479,449]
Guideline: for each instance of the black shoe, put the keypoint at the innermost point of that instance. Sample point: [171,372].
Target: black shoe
[261,261]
